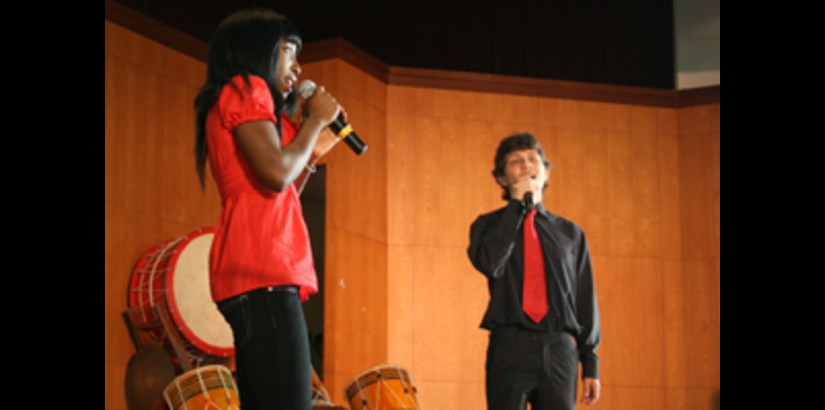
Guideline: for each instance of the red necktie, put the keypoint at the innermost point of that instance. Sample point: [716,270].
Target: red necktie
[535,286]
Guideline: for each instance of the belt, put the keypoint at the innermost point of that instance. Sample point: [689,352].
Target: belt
[244,296]
[519,334]
[286,288]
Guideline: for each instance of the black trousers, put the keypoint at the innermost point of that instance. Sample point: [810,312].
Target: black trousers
[524,367]
[271,349]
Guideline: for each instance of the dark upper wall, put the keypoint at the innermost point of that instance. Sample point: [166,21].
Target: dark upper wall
[598,41]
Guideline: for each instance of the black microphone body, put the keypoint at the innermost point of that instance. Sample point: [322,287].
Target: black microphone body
[528,200]
[349,135]
[340,127]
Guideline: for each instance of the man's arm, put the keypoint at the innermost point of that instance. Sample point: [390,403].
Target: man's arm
[587,312]
[492,242]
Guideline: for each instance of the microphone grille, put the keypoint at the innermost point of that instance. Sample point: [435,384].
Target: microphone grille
[306,88]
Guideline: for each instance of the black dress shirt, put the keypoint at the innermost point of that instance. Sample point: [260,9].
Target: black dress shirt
[496,250]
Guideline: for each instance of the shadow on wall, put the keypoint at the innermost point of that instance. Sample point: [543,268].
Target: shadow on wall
[716,401]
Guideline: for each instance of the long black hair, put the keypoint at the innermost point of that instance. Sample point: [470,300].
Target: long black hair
[247,42]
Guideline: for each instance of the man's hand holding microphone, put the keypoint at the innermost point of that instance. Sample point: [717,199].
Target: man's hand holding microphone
[527,190]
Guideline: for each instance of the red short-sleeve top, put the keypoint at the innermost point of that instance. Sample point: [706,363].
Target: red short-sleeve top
[261,238]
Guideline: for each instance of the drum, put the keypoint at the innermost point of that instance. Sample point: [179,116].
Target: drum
[207,387]
[383,387]
[320,396]
[147,375]
[175,275]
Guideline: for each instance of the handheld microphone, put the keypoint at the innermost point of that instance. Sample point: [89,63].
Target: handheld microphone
[340,127]
[528,200]
[528,197]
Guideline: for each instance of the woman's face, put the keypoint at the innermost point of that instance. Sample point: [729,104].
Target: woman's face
[288,68]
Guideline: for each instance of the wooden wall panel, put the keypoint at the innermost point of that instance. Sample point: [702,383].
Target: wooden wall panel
[635,189]
[564,195]
[670,202]
[114,379]
[693,120]
[400,302]
[152,193]
[518,109]
[675,337]
[676,399]
[400,100]
[697,201]
[551,142]
[581,174]
[569,114]
[667,121]
[603,116]
[699,184]
[449,302]
[355,305]
[632,397]
[451,395]
[698,145]
[357,275]
[401,142]
[693,398]
[702,322]
[646,187]
[716,212]
[135,178]
[549,112]
[183,199]
[400,178]
[624,215]
[357,184]
[439,103]
[478,106]
[643,119]
[442,165]
[355,83]
[633,321]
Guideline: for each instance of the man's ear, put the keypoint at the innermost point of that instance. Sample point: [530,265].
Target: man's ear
[502,181]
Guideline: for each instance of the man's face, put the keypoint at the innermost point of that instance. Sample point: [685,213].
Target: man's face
[524,163]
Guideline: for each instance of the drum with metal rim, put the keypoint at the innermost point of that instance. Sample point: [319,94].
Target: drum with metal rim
[175,274]
[382,387]
[207,387]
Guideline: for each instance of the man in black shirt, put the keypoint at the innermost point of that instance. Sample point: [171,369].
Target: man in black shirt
[542,315]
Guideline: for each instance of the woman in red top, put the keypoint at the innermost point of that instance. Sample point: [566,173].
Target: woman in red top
[260,264]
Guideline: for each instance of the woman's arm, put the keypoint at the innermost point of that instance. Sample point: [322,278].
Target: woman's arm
[277,167]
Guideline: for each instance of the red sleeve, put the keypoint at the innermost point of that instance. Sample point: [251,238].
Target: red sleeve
[241,103]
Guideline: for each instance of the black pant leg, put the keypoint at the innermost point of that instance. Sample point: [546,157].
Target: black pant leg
[557,385]
[271,350]
[512,371]
[524,367]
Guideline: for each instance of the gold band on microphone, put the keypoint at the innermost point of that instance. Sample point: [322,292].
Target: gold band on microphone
[345,131]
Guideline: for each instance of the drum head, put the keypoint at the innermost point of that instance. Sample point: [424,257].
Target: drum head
[196,314]
[147,374]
